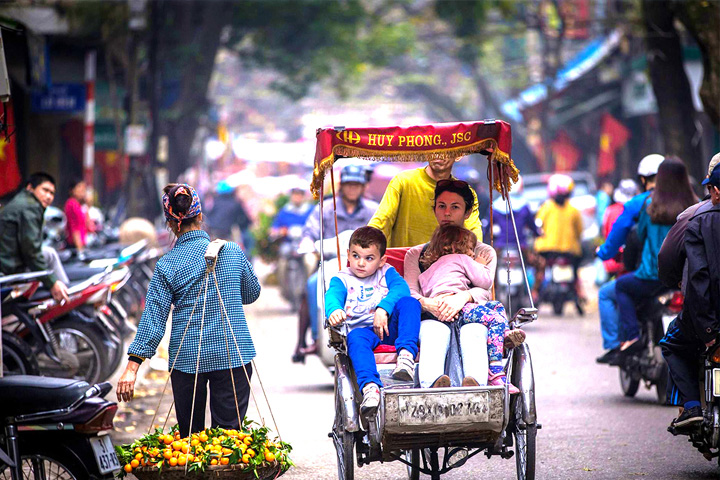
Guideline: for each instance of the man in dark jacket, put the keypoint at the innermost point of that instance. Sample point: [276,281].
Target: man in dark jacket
[21,224]
[697,326]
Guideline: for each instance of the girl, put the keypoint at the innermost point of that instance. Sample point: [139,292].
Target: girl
[450,267]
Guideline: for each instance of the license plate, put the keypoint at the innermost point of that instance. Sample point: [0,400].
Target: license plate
[105,456]
[444,408]
[716,382]
[562,273]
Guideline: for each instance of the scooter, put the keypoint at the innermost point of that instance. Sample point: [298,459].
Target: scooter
[559,284]
[648,365]
[55,428]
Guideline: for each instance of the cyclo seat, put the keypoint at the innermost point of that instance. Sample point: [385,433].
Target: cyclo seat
[26,394]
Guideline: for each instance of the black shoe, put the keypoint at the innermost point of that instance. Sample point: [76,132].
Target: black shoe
[688,418]
[298,357]
[634,348]
[608,356]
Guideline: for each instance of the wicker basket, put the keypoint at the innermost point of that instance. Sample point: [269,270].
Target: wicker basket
[267,471]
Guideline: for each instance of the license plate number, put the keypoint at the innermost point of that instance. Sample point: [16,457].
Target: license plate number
[447,409]
[105,456]
[716,382]
[562,273]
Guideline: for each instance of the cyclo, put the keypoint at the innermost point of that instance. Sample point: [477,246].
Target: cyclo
[429,430]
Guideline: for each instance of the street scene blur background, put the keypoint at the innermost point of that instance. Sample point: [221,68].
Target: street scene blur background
[227,97]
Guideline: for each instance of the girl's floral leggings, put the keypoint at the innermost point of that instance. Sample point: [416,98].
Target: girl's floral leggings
[492,315]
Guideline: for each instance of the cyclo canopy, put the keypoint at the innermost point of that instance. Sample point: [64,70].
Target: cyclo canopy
[419,143]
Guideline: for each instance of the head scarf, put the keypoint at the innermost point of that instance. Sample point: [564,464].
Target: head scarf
[194,210]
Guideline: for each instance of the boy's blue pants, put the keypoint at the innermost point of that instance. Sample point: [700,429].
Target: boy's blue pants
[404,327]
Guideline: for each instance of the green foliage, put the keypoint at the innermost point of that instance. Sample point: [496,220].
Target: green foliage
[265,247]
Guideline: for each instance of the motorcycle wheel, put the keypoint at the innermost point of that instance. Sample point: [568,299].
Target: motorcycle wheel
[628,385]
[83,341]
[558,307]
[17,356]
[41,466]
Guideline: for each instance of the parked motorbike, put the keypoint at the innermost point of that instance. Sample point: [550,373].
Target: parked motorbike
[558,286]
[55,428]
[648,365]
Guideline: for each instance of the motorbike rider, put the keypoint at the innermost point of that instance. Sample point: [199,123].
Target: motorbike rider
[353,212]
[405,214]
[21,225]
[562,228]
[607,300]
[696,328]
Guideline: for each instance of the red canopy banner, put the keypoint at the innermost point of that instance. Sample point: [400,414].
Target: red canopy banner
[614,135]
[415,144]
[9,172]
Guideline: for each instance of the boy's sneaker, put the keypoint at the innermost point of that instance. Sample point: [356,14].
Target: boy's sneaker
[688,418]
[371,400]
[405,367]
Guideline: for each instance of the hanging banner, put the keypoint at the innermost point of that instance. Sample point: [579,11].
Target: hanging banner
[9,171]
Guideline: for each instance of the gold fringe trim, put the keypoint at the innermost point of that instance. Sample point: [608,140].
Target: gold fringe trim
[499,157]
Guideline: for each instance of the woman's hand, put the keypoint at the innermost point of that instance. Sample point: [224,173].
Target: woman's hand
[126,385]
[450,305]
[484,257]
[431,305]
[380,323]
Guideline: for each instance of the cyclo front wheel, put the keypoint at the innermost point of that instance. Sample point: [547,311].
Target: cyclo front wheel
[524,436]
[344,441]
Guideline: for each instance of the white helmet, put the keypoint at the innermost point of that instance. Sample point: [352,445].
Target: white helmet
[649,165]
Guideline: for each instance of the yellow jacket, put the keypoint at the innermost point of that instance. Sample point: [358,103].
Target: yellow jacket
[562,228]
[406,215]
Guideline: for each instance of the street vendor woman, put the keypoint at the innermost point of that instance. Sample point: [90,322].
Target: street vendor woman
[224,358]
[405,214]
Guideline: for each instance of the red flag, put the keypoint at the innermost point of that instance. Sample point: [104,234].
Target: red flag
[613,137]
[565,153]
[9,172]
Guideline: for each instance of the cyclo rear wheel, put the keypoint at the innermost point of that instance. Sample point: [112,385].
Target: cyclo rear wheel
[344,441]
[524,436]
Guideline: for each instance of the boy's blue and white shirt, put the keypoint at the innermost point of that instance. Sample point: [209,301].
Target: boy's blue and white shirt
[178,279]
[359,297]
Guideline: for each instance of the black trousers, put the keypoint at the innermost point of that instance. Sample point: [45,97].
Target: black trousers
[222,398]
[682,352]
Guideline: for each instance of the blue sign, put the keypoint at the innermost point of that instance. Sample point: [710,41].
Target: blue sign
[60,98]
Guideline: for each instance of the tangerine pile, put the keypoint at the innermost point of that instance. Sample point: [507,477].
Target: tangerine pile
[249,447]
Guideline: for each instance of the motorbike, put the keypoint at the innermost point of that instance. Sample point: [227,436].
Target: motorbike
[558,286]
[55,428]
[510,279]
[648,365]
[292,272]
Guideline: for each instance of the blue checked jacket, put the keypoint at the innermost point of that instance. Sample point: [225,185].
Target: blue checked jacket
[178,279]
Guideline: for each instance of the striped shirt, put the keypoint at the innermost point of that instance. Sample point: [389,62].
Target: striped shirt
[178,280]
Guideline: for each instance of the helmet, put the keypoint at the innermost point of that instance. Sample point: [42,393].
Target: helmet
[353,173]
[626,189]
[560,184]
[649,165]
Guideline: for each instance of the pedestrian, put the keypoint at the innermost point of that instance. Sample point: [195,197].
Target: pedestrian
[671,196]
[76,219]
[220,358]
[696,328]
[375,303]
[405,214]
[603,199]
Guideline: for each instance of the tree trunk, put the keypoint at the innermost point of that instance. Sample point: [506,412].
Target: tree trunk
[702,19]
[671,86]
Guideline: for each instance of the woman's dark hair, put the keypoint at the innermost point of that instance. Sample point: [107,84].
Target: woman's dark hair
[180,204]
[74,183]
[672,193]
[456,186]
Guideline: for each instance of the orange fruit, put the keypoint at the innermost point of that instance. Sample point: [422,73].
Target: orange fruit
[167,453]
[176,445]
[195,442]
[173,461]
[224,461]
[251,452]
[213,462]
[167,439]
[135,463]
[226,451]
[246,458]
[128,468]
[247,440]
[182,460]
[139,456]
[185,448]
[203,437]
[269,456]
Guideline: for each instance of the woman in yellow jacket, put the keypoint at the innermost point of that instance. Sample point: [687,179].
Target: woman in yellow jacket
[562,227]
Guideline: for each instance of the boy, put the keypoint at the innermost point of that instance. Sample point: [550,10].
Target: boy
[365,295]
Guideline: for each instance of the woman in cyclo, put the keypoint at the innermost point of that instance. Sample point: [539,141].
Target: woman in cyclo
[453,204]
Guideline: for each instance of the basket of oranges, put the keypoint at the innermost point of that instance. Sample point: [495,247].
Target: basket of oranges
[211,453]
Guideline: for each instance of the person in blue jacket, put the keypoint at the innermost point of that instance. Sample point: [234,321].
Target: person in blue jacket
[647,170]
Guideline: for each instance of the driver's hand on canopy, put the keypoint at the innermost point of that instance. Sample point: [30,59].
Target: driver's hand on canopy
[451,305]
[484,257]
[337,317]
[380,323]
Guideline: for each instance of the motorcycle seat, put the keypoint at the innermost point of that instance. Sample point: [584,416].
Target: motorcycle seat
[80,273]
[26,394]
